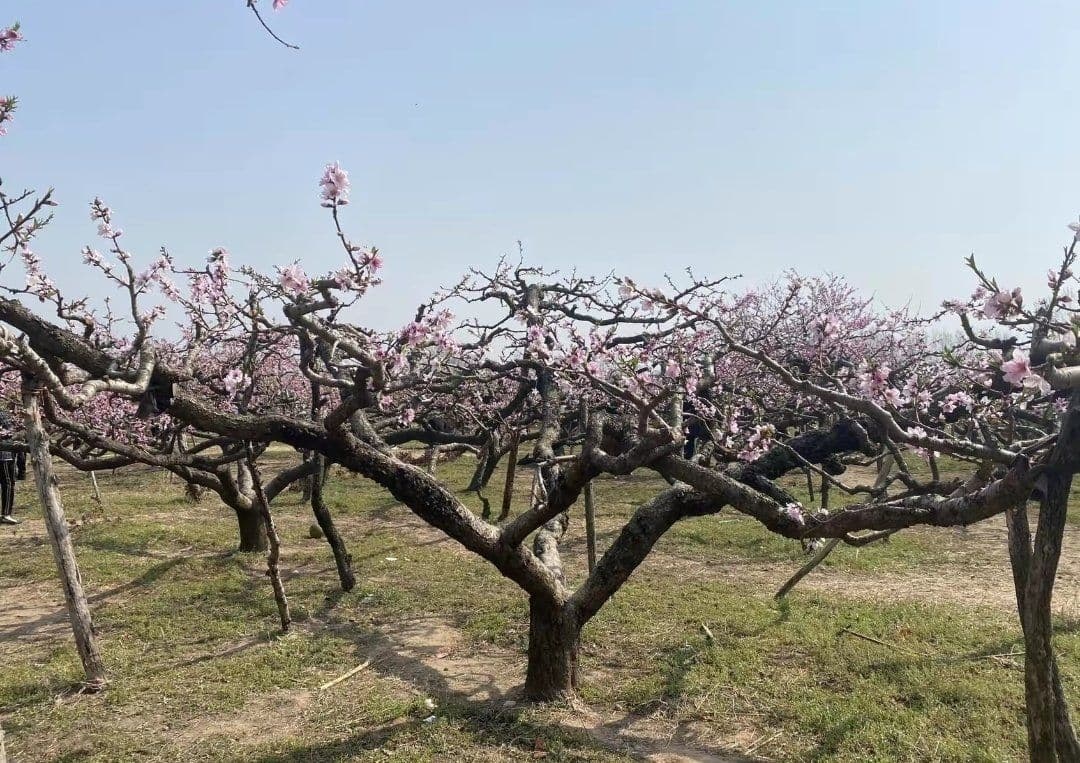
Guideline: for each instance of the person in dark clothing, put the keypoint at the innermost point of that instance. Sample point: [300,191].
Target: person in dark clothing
[9,470]
[694,429]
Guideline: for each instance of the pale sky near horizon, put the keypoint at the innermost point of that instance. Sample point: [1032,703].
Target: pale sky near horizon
[882,141]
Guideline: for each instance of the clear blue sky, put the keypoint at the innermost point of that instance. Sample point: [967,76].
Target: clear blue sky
[880,140]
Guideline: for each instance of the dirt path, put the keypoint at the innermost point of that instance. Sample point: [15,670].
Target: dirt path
[973,569]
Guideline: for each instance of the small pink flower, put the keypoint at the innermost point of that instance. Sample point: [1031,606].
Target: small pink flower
[1018,369]
[345,278]
[1003,304]
[8,37]
[234,380]
[279,4]
[335,185]
[892,396]
[294,280]
[794,513]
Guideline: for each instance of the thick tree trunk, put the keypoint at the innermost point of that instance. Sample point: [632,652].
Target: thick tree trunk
[60,540]
[342,558]
[554,640]
[252,531]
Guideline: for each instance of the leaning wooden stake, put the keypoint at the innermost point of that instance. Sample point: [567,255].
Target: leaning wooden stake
[94,485]
[60,540]
[819,555]
[590,511]
[274,554]
[511,470]
[590,526]
[815,560]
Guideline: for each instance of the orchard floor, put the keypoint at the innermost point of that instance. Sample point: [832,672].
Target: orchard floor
[904,651]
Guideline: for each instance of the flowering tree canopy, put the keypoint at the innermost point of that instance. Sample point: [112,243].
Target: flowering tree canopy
[719,388]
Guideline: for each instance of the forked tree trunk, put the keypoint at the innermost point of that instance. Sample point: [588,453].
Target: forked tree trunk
[252,530]
[60,540]
[554,642]
[1065,741]
[1050,733]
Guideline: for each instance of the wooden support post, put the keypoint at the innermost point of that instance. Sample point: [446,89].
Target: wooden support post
[590,511]
[511,471]
[60,540]
[590,526]
[94,485]
[272,557]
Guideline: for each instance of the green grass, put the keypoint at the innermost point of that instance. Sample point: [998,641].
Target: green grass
[189,633]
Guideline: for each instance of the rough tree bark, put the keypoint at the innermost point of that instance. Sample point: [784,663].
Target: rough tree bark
[252,530]
[554,641]
[60,540]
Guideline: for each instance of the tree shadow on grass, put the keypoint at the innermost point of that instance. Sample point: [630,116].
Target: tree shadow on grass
[37,626]
[492,730]
[478,688]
